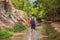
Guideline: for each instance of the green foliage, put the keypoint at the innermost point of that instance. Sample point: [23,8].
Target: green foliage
[52,33]
[42,29]
[41,14]
[21,4]
[29,8]
[46,5]
[17,4]
[39,7]
[5,33]
[50,4]
[19,27]
[58,38]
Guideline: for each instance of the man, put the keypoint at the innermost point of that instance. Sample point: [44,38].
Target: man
[33,22]
[33,25]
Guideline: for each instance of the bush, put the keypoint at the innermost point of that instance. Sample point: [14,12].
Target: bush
[5,33]
[58,38]
[52,33]
[19,27]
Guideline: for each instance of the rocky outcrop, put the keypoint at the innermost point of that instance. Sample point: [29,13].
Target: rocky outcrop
[9,16]
[56,26]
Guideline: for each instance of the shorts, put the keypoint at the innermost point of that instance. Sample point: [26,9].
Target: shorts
[33,26]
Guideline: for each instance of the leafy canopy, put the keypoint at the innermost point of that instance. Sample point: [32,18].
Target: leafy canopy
[38,7]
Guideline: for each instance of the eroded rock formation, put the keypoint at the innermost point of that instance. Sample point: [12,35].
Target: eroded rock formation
[9,16]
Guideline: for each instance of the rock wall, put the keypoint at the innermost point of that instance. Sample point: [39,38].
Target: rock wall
[9,16]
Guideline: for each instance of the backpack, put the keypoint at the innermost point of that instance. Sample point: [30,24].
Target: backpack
[32,21]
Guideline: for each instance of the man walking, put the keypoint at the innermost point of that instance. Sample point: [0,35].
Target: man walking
[33,26]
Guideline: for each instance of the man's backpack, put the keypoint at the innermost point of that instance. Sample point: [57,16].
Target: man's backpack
[32,21]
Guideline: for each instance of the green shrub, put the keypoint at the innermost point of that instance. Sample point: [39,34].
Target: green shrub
[58,38]
[5,33]
[19,27]
[52,33]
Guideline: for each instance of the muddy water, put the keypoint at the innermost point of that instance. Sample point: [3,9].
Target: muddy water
[38,35]
[29,36]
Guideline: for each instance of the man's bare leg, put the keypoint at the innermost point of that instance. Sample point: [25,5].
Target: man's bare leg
[32,32]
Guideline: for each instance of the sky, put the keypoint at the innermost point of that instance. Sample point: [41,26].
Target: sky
[31,1]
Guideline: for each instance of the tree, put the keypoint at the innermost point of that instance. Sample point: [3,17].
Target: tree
[21,4]
[39,7]
[49,7]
